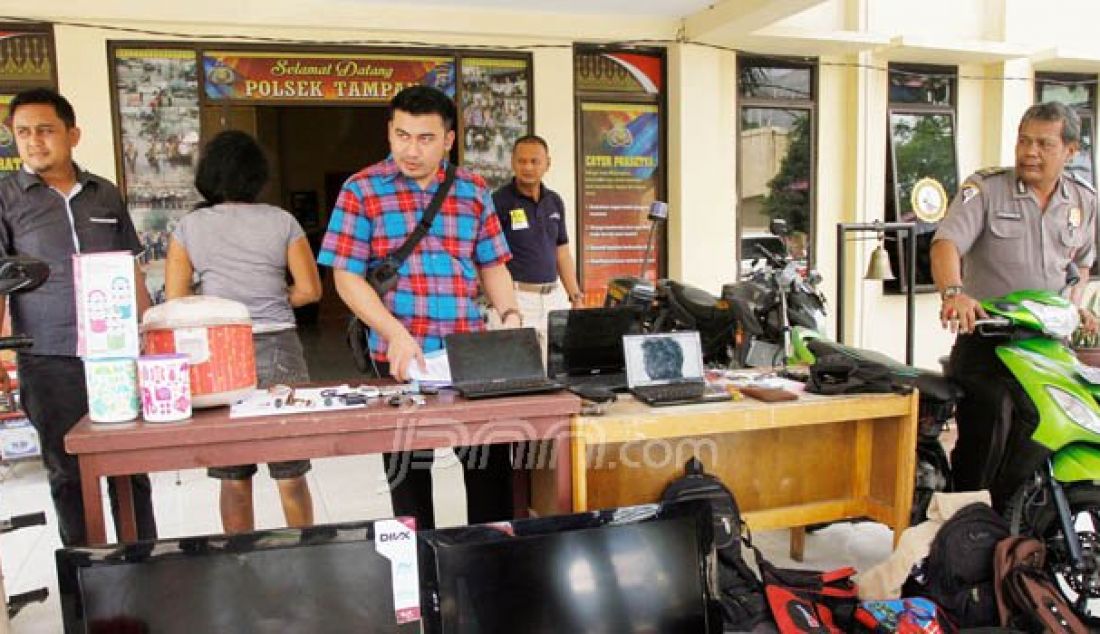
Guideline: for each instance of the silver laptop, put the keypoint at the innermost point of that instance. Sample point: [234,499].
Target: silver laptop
[666,368]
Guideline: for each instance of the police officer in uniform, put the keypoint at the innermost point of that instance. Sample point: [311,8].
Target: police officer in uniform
[533,219]
[1009,229]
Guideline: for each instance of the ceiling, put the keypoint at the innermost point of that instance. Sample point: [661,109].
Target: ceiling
[664,8]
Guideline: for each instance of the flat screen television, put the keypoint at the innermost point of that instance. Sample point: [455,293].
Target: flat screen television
[629,570]
[320,579]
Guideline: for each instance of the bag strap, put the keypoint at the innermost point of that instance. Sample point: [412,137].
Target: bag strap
[425,224]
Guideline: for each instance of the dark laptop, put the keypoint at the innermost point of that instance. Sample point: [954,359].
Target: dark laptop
[585,346]
[497,363]
[667,369]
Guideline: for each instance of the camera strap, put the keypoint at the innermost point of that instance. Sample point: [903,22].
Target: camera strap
[425,224]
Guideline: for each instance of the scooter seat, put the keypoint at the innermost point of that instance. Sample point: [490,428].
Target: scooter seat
[700,304]
[935,386]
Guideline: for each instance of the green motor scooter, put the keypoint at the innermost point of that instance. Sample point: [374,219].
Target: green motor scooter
[1044,468]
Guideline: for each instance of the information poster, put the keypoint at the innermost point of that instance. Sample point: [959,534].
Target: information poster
[9,153]
[495,93]
[318,77]
[620,177]
[158,114]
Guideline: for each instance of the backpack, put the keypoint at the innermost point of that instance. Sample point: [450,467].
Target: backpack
[740,593]
[1026,596]
[838,373]
[958,572]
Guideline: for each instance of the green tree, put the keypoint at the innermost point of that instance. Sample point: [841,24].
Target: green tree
[789,190]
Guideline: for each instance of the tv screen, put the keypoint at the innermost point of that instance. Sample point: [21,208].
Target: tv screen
[322,579]
[642,574]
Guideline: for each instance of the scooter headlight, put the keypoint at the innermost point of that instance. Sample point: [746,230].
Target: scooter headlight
[1078,410]
[1057,321]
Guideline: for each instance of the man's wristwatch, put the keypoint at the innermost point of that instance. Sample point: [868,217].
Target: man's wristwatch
[576,297]
[511,311]
[950,292]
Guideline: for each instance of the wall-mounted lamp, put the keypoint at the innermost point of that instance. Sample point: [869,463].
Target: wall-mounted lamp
[879,269]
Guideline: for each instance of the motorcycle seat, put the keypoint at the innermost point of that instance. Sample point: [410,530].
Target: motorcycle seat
[700,304]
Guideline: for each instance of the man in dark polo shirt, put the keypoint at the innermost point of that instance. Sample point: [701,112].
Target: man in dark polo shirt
[51,209]
[533,218]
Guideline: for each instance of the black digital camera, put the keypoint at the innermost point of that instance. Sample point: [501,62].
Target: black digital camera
[383,277]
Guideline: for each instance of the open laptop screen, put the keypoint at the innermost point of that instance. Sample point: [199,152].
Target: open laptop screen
[494,354]
[658,359]
[590,340]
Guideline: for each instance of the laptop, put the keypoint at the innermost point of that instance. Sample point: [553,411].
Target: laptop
[497,363]
[585,346]
[667,369]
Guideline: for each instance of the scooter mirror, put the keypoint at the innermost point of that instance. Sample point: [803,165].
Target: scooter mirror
[20,274]
[778,227]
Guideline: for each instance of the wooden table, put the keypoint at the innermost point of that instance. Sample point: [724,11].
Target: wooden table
[817,459]
[211,438]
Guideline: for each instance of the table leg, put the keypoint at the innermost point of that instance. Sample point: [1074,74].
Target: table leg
[94,528]
[125,492]
[798,543]
[564,465]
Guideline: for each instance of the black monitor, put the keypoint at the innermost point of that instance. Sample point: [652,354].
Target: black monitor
[320,579]
[636,569]
[589,340]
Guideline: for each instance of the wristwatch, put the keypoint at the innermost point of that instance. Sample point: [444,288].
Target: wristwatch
[511,311]
[576,297]
[950,292]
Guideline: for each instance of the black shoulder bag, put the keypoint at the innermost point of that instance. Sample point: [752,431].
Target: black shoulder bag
[383,276]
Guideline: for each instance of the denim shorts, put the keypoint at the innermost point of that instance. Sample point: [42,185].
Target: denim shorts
[279,359]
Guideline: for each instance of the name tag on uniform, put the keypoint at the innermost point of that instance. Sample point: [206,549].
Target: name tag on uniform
[1010,215]
[519,219]
[105,221]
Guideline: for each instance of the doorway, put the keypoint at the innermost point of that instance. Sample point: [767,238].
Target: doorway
[313,150]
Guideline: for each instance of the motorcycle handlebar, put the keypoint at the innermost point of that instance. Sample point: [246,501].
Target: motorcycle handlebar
[772,258]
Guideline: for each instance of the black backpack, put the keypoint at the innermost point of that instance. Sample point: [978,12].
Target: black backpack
[838,373]
[958,572]
[740,592]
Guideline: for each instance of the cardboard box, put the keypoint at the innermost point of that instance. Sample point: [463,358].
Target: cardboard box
[106,305]
[18,440]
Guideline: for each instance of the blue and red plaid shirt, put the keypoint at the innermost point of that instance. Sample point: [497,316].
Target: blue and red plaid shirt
[378,208]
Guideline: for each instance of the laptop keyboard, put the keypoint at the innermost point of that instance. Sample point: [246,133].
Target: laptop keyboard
[670,392]
[491,387]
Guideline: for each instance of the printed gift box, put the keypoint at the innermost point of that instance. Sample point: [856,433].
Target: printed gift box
[106,306]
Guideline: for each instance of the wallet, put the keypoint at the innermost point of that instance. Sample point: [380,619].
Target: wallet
[768,394]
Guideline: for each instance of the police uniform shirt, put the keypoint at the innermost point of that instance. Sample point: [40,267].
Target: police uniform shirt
[1008,243]
[35,221]
[534,231]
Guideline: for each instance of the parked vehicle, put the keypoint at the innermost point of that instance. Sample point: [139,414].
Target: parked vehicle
[1043,471]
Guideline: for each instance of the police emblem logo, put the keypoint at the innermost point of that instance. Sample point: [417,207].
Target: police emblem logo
[1075,217]
[929,200]
[221,75]
[969,191]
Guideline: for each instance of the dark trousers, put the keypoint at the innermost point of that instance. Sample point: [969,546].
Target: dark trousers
[988,401]
[486,469]
[54,396]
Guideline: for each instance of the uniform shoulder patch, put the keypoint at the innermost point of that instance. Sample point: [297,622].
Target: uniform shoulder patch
[990,171]
[969,190]
[1079,178]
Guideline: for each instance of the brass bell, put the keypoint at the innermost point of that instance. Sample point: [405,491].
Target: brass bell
[879,266]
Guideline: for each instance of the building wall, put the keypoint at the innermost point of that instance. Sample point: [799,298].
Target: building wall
[701,111]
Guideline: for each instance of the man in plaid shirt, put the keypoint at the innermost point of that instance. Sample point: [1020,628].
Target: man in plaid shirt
[377,210]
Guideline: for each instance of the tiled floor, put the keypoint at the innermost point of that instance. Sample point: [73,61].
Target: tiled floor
[344,489]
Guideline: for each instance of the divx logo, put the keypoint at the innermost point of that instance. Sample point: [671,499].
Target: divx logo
[394,537]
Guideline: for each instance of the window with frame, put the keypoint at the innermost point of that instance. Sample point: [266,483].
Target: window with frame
[776,157]
[1078,91]
[922,171]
